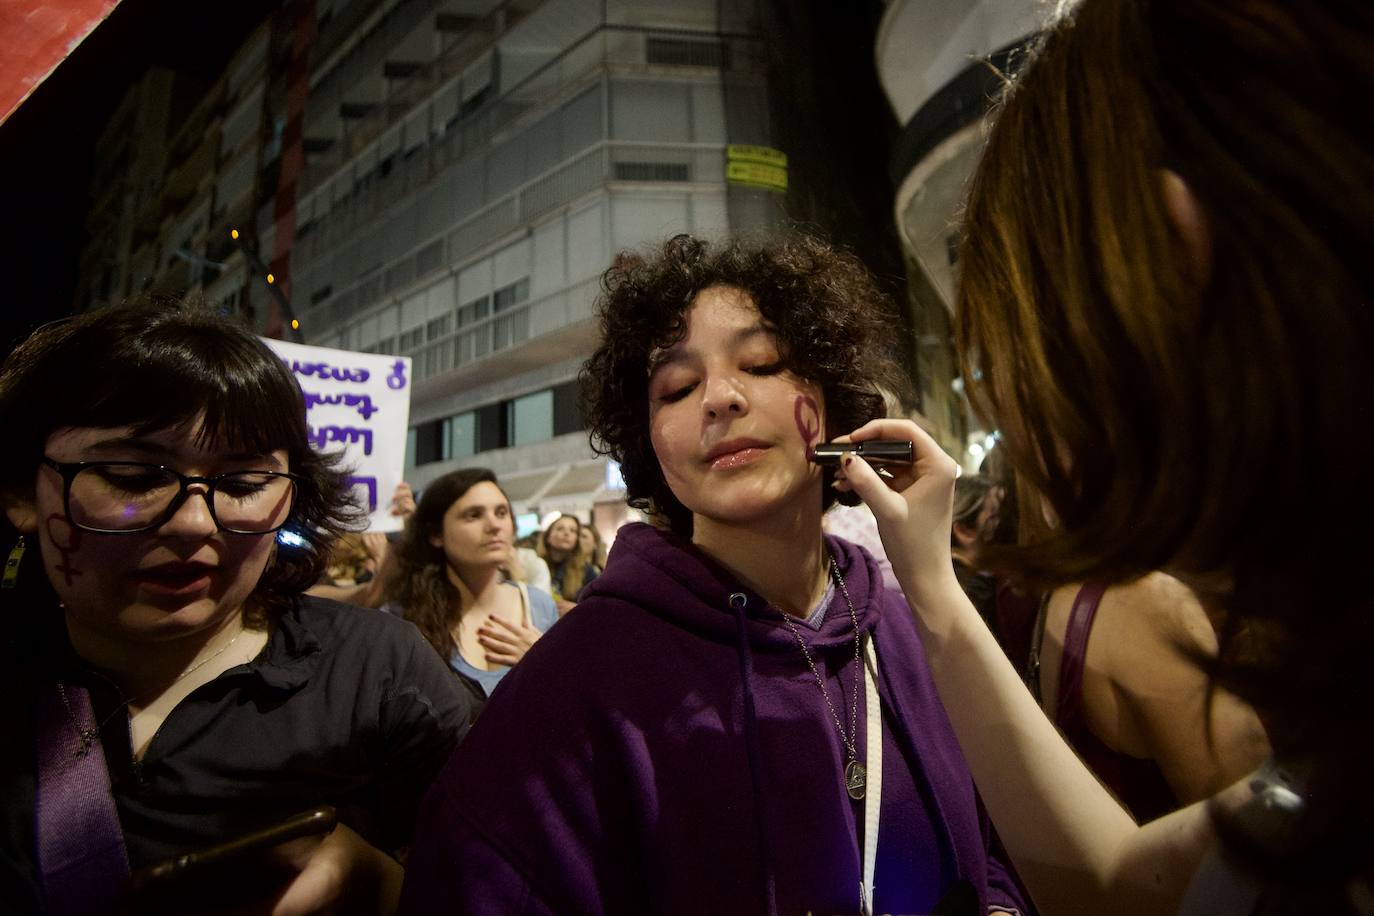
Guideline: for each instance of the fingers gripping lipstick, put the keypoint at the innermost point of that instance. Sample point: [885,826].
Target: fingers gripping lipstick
[877,452]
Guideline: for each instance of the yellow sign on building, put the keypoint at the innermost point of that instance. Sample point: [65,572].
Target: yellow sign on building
[756,175]
[764,155]
[756,166]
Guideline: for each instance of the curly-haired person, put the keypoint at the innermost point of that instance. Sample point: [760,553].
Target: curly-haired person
[737,703]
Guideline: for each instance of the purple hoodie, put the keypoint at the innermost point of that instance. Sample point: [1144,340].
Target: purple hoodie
[659,751]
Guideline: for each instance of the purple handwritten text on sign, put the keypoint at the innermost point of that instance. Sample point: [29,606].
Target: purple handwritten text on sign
[371,484]
[322,435]
[361,402]
[326,371]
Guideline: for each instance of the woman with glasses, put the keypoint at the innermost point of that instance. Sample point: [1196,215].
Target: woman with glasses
[171,686]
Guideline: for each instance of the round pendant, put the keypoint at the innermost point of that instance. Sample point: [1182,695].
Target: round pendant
[855,779]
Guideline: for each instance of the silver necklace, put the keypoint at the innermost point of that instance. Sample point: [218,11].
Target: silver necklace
[855,774]
[89,735]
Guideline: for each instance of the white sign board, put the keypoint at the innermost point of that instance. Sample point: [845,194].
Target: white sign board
[358,402]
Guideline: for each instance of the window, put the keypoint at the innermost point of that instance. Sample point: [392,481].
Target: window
[531,418]
[462,440]
[651,171]
[513,294]
[684,53]
[429,443]
[475,310]
[567,414]
[438,327]
[491,427]
[412,339]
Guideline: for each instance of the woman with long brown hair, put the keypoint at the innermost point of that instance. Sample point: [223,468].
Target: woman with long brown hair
[1165,308]
[570,563]
[450,577]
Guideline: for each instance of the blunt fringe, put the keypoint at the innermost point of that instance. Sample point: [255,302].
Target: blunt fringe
[159,366]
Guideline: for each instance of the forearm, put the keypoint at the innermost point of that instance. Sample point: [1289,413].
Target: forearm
[1076,849]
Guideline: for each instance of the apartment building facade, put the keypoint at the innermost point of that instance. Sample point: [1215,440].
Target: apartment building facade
[444,180]
[472,168]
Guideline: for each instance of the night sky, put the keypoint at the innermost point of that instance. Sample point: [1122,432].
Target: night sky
[46,146]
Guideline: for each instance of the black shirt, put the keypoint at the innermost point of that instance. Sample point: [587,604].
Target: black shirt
[344,706]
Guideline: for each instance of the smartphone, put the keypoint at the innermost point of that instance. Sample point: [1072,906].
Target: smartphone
[243,868]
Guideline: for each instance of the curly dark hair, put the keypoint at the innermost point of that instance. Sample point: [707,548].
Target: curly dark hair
[160,365]
[832,325]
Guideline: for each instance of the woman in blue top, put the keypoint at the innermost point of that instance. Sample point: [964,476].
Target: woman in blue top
[450,579]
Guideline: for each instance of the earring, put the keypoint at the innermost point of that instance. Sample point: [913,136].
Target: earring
[11,574]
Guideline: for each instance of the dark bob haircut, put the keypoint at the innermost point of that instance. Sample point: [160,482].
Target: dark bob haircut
[160,366]
[832,325]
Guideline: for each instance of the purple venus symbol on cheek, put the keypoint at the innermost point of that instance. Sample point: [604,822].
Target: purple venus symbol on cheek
[808,416]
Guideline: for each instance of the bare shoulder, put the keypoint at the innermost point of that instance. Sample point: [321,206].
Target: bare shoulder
[1156,610]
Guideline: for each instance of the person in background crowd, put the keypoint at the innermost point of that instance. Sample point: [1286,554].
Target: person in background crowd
[350,562]
[1017,603]
[449,578]
[1164,310]
[858,526]
[532,570]
[365,558]
[590,541]
[169,686]
[709,741]
[977,501]
[570,566]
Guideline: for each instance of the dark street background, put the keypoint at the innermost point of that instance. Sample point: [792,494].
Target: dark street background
[45,146]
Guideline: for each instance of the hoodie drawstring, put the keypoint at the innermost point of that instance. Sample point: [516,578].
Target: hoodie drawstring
[738,601]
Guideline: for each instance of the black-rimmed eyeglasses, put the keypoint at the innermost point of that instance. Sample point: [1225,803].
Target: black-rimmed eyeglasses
[124,497]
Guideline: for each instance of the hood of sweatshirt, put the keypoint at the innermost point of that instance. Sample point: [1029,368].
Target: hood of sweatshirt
[673,579]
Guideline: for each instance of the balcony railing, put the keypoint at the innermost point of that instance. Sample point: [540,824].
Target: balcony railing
[543,194]
[512,327]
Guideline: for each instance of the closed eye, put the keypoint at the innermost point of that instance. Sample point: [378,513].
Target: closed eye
[765,369]
[677,395]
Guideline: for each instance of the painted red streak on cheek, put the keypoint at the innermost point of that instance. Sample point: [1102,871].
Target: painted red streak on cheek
[808,416]
[66,538]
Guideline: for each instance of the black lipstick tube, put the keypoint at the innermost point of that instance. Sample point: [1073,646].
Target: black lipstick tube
[877,452]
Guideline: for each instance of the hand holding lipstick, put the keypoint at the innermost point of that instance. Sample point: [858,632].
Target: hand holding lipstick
[913,506]
[877,452]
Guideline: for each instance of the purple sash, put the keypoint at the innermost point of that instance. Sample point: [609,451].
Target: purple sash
[80,847]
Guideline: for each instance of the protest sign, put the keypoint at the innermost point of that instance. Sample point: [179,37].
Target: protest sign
[358,402]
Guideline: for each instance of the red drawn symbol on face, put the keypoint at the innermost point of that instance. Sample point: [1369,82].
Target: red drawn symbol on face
[66,539]
[807,413]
